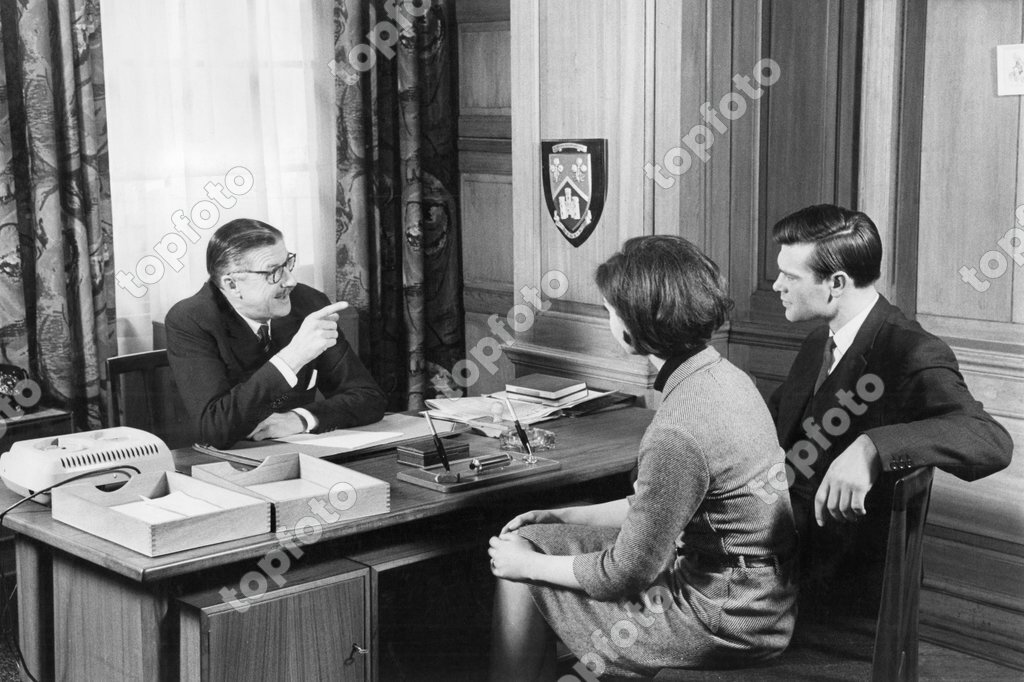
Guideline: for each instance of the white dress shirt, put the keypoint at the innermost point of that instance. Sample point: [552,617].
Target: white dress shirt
[845,335]
[286,372]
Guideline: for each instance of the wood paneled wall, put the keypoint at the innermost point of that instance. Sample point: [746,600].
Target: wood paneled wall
[920,142]
[971,181]
[648,76]
[888,106]
[803,150]
[485,169]
[593,80]
[969,162]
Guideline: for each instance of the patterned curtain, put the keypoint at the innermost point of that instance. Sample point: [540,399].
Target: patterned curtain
[56,250]
[398,236]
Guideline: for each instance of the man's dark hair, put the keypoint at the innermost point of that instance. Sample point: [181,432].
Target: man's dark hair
[843,240]
[233,240]
[670,296]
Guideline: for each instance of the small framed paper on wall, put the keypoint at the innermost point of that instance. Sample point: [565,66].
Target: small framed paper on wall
[1010,70]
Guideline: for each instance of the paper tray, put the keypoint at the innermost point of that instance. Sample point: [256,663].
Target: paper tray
[88,508]
[303,488]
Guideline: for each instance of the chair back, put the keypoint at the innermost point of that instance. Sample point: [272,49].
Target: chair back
[895,655]
[143,395]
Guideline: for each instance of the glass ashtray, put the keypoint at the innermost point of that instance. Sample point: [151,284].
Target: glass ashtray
[540,439]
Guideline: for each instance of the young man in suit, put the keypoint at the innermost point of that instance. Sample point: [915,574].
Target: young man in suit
[870,395]
[250,350]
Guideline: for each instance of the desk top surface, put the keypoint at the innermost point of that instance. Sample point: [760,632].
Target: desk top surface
[588,448]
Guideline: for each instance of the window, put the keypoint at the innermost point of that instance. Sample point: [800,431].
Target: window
[237,93]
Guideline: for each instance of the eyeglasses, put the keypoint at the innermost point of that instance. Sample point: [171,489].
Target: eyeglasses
[273,276]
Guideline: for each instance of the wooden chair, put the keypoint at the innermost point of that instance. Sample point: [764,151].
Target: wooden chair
[143,395]
[884,651]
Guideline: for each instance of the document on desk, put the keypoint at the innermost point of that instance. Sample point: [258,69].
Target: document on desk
[391,430]
[343,440]
[477,408]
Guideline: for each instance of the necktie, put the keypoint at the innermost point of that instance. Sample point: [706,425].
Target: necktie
[264,337]
[826,363]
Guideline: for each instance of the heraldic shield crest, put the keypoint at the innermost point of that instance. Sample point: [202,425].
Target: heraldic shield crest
[575,176]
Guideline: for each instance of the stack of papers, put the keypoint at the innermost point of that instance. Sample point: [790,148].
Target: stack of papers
[490,415]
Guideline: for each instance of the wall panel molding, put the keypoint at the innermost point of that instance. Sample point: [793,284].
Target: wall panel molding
[753,334]
[482,11]
[486,229]
[484,299]
[628,373]
[963,624]
[964,332]
[492,163]
[485,170]
[495,127]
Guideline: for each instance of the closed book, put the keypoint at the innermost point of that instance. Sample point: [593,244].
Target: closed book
[423,452]
[431,460]
[566,400]
[545,386]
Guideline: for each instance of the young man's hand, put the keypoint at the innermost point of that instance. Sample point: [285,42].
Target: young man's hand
[847,482]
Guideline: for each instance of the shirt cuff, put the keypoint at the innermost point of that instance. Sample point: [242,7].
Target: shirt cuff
[307,416]
[285,370]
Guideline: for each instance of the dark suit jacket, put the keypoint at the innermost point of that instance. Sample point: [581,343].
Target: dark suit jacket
[924,416]
[229,385]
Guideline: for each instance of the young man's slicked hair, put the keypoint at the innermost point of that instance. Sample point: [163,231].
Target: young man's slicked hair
[670,296]
[232,241]
[843,240]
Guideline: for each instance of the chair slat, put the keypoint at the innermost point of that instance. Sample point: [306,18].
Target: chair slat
[143,394]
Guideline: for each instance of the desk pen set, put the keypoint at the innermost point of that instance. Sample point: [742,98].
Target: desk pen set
[460,471]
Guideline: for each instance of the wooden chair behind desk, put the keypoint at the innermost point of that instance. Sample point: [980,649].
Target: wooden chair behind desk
[848,651]
[143,395]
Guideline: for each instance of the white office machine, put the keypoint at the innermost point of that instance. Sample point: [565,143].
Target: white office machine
[39,463]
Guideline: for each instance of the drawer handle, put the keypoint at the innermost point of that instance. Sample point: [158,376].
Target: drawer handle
[356,649]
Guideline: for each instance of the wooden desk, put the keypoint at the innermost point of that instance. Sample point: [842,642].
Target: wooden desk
[91,609]
[44,421]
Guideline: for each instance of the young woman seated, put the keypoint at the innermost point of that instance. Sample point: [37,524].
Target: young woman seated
[693,570]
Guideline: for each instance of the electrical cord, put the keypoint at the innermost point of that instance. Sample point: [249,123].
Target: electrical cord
[12,643]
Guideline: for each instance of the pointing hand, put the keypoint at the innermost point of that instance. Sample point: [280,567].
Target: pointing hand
[319,331]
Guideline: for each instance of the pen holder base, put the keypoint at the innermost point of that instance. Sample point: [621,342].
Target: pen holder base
[447,477]
[469,479]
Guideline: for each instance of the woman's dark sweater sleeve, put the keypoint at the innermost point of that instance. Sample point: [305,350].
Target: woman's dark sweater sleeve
[672,480]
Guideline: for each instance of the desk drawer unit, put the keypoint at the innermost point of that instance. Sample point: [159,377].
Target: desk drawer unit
[314,627]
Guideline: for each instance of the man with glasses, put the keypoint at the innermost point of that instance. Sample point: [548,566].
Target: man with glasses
[252,347]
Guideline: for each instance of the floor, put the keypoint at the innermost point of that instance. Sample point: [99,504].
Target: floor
[938,664]
[454,648]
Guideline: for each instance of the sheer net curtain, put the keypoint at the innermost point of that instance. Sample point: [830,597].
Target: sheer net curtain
[214,91]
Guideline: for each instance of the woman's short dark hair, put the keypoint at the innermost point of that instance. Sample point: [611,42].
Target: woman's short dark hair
[843,240]
[233,240]
[669,295]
